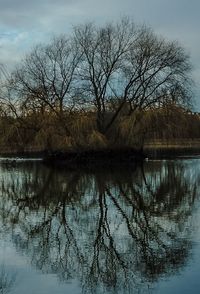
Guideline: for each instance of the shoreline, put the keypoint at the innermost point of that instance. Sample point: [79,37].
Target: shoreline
[154,149]
[172,148]
[106,156]
[95,158]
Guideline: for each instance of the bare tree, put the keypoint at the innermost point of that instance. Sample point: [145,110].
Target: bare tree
[103,49]
[127,64]
[46,77]
[117,70]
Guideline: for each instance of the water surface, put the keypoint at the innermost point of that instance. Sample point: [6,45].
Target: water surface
[134,230]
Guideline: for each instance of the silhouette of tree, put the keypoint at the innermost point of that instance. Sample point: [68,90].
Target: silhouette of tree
[106,229]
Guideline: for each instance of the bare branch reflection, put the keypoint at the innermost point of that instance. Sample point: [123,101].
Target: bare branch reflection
[7,280]
[111,230]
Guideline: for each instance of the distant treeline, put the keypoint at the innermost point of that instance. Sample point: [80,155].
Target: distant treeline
[118,85]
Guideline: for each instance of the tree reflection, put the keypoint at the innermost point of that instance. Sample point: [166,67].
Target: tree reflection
[111,230]
[7,280]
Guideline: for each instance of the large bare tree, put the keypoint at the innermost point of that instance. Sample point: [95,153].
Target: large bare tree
[104,50]
[107,69]
[128,64]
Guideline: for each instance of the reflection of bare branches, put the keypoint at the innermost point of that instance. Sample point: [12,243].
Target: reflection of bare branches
[106,259]
[107,229]
[7,281]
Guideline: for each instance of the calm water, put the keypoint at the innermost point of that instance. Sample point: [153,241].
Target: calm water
[111,231]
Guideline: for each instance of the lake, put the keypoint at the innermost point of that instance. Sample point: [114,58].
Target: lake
[115,230]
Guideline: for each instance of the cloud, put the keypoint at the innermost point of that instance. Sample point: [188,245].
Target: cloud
[11,46]
[32,14]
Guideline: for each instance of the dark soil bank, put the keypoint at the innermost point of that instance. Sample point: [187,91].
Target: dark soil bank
[98,158]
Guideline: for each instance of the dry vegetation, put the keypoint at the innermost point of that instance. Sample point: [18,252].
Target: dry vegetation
[167,125]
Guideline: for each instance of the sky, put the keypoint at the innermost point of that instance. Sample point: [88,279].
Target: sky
[24,23]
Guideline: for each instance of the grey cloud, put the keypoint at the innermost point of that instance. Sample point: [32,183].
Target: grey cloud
[39,13]
[23,14]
